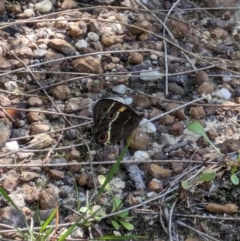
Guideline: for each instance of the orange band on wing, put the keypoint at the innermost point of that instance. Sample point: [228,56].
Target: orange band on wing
[122,109]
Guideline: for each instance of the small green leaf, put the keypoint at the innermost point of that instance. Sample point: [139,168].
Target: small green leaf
[83,209]
[234,179]
[196,127]
[117,204]
[97,211]
[126,225]
[207,176]
[101,180]
[123,214]
[115,224]
[186,185]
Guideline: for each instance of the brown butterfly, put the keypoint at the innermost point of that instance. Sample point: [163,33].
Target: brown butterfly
[112,121]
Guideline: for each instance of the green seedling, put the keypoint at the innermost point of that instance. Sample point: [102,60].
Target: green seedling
[196,127]
[121,219]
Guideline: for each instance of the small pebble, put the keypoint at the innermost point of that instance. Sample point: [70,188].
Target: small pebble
[93,37]
[12,145]
[120,89]
[141,156]
[147,126]
[81,44]
[153,57]
[226,78]
[29,13]
[150,75]
[222,94]
[128,101]
[44,6]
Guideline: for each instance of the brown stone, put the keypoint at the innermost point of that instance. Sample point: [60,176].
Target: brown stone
[142,101]
[110,39]
[76,104]
[178,28]
[27,176]
[155,112]
[56,174]
[155,185]
[212,134]
[74,168]
[7,64]
[175,88]
[9,184]
[205,88]
[61,92]
[48,198]
[177,167]
[177,129]
[159,172]
[87,64]
[197,112]
[4,101]
[74,30]
[34,116]
[219,33]
[38,128]
[144,25]
[167,119]
[74,155]
[201,77]
[140,140]
[30,193]
[179,114]
[61,46]
[23,52]
[82,180]
[68,4]
[135,58]
[35,101]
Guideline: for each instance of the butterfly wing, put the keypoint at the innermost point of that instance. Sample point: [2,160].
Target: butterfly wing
[113,121]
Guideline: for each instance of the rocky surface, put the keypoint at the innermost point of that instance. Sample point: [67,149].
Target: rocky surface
[58,58]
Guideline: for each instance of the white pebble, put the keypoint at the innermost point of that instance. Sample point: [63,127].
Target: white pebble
[117,183]
[44,6]
[29,13]
[222,94]
[81,44]
[147,126]
[141,156]
[226,78]
[153,57]
[11,86]
[12,145]
[128,101]
[93,37]
[117,28]
[150,75]
[120,89]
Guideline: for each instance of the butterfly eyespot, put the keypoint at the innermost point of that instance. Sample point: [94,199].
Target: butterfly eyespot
[103,138]
[105,109]
[111,116]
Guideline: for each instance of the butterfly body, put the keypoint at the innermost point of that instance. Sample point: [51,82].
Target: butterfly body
[112,121]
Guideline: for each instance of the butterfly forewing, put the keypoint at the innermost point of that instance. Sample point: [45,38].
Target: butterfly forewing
[112,121]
